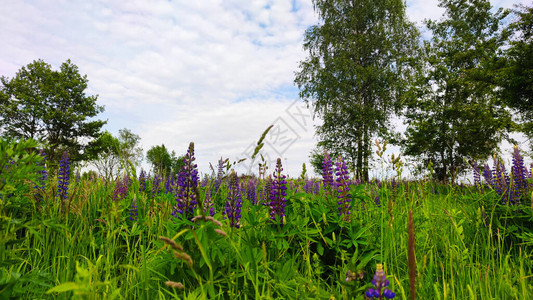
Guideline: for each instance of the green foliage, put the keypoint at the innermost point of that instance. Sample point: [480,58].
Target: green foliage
[110,154]
[517,74]
[356,73]
[164,162]
[19,164]
[457,115]
[50,106]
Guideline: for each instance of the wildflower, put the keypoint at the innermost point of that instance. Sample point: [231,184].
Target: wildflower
[133,209]
[343,189]
[186,187]
[142,181]
[233,205]
[208,202]
[353,276]
[169,184]
[380,282]
[63,178]
[251,192]
[519,176]
[155,185]
[120,191]
[41,183]
[327,171]
[277,193]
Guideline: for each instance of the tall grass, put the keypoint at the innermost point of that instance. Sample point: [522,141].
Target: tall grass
[469,245]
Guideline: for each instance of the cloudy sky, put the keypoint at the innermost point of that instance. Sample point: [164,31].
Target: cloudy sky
[214,72]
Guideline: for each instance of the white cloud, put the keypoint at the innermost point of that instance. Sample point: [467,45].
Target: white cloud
[214,72]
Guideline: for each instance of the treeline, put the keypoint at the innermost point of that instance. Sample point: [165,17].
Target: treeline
[52,108]
[461,91]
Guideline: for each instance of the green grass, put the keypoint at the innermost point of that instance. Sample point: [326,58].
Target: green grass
[468,246]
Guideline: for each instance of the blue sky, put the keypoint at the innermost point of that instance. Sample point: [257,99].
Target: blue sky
[214,72]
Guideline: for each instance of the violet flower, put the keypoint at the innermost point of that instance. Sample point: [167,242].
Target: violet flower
[251,192]
[120,191]
[327,171]
[155,185]
[186,187]
[380,282]
[519,176]
[41,182]
[277,193]
[232,209]
[63,177]
[133,209]
[342,182]
[142,181]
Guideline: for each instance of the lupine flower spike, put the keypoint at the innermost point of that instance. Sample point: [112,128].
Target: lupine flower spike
[327,171]
[277,193]
[232,209]
[63,178]
[343,189]
[380,282]
[186,187]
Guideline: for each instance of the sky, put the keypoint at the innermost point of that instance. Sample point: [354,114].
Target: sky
[216,73]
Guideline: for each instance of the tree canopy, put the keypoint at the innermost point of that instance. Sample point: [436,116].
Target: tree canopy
[457,115]
[164,162]
[51,107]
[357,69]
[517,72]
[111,155]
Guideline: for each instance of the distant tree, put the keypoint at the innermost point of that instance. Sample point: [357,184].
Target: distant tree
[359,60]
[110,154]
[517,75]
[50,106]
[164,162]
[457,115]
[130,150]
[105,154]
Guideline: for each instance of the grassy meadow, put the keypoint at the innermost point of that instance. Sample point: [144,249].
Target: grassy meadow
[166,237]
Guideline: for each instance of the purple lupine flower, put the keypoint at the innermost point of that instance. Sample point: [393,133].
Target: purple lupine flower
[380,282]
[308,186]
[133,209]
[155,185]
[120,191]
[327,171]
[208,202]
[63,177]
[342,182]
[142,181]
[251,192]
[203,182]
[169,184]
[519,176]
[41,183]
[277,193]
[186,187]
[316,189]
[232,209]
